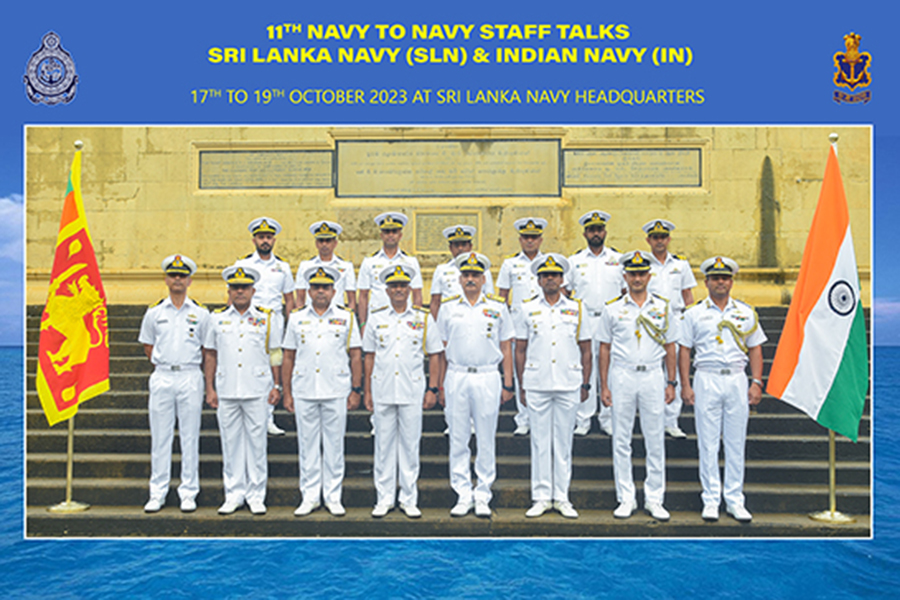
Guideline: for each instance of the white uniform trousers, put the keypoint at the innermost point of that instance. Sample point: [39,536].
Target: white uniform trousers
[552,417]
[521,418]
[242,428]
[588,408]
[472,398]
[673,410]
[175,395]
[320,444]
[721,411]
[398,429]
[644,391]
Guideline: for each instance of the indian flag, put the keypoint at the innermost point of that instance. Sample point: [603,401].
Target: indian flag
[822,362]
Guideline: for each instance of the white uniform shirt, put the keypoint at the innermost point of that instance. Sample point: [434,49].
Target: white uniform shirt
[176,334]
[716,347]
[631,343]
[595,279]
[347,282]
[670,278]
[243,343]
[516,276]
[275,280]
[400,342]
[322,342]
[473,332]
[553,359]
[445,281]
[371,268]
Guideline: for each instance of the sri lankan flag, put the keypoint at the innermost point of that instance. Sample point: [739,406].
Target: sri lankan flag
[73,353]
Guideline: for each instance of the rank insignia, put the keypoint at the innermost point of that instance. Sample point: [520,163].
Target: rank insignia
[50,76]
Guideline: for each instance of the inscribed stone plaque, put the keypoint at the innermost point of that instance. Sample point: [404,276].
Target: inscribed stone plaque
[260,169]
[448,168]
[635,167]
[430,229]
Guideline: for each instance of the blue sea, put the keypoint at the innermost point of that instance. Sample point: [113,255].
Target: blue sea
[457,568]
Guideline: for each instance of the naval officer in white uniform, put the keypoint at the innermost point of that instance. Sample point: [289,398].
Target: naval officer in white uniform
[445,282]
[477,331]
[275,287]
[241,379]
[372,292]
[553,364]
[397,339]
[670,277]
[517,283]
[595,278]
[637,336]
[325,234]
[322,375]
[725,335]
[172,333]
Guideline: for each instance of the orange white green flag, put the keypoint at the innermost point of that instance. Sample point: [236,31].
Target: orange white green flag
[822,362]
[73,353]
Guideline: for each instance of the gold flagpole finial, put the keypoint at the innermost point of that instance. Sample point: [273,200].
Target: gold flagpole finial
[79,144]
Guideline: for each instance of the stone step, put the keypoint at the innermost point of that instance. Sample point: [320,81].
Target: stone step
[433,493]
[279,522]
[137,465]
[759,446]
[433,420]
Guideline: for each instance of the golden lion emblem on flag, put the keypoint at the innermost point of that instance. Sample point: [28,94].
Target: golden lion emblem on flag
[79,317]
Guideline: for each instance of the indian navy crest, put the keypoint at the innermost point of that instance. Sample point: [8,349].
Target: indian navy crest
[50,73]
[852,71]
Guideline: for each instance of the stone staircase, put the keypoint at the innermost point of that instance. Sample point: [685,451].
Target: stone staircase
[787,472]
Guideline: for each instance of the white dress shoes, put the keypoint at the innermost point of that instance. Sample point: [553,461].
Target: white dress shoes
[710,512]
[153,505]
[257,507]
[521,430]
[188,505]
[538,508]
[675,432]
[462,508]
[582,430]
[482,509]
[381,510]
[411,510]
[229,506]
[566,509]
[739,512]
[625,509]
[274,429]
[336,509]
[657,511]
[305,508]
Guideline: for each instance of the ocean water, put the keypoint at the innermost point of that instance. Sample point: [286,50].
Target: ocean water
[456,568]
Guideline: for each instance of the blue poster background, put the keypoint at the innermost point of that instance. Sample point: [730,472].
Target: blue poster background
[757,63]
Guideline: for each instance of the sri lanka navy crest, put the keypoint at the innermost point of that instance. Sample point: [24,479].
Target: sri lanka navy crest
[852,71]
[50,76]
